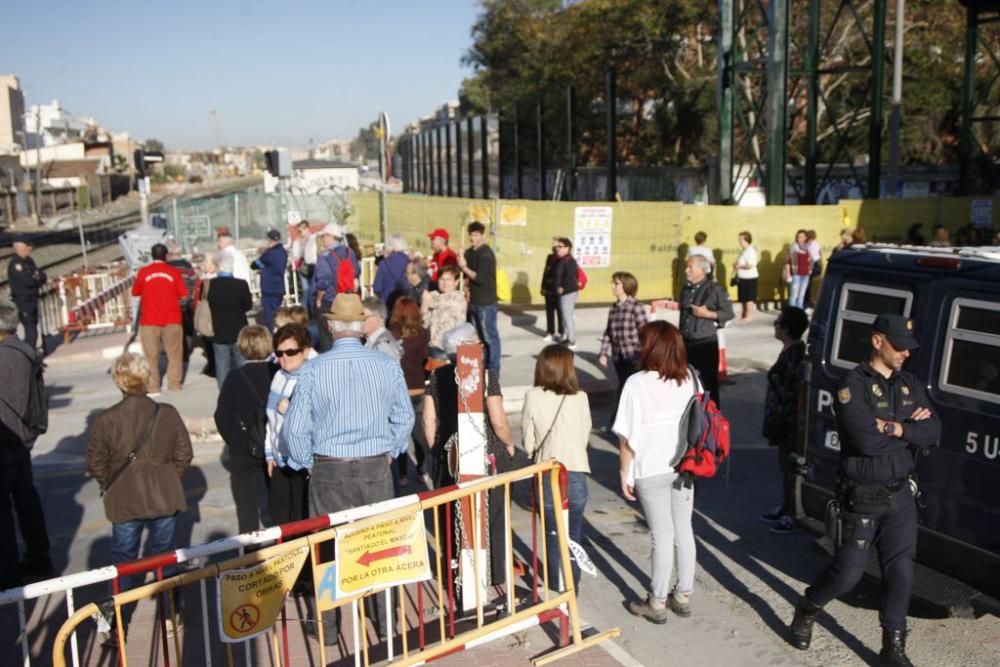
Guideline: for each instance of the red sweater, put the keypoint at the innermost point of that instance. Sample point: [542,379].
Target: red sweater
[446,257]
[160,287]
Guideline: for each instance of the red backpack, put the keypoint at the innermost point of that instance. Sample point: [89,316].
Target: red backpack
[581,277]
[706,430]
[343,269]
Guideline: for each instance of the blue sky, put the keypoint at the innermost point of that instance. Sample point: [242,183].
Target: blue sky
[278,72]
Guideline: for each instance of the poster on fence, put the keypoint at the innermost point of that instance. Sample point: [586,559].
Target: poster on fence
[514,215]
[386,554]
[250,599]
[592,236]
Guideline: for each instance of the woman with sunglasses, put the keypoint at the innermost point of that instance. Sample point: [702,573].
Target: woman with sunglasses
[287,487]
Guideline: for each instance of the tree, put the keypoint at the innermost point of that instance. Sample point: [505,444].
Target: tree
[154,145]
[366,144]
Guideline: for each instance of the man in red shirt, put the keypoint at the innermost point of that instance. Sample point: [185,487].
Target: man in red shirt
[160,288]
[443,255]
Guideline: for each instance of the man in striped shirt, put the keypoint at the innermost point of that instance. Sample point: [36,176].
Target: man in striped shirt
[350,416]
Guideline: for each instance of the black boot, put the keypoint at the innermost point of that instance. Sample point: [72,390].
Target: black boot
[893,652]
[801,631]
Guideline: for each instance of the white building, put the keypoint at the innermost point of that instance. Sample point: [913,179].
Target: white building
[11,115]
[314,176]
[52,125]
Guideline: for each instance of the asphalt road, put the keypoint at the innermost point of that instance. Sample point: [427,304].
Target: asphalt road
[747,579]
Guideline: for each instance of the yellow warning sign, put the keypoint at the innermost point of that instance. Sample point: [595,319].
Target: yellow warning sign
[387,554]
[250,599]
[514,215]
[481,213]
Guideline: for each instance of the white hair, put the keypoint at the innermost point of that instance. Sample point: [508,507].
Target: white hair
[702,262]
[336,327]
[224,262]
[9,317]
[397,243]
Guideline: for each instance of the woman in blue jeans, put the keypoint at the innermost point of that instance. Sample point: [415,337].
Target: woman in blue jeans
[555,424]
[144,492]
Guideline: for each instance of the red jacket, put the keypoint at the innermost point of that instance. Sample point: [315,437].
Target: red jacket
[446,257]
[161,287]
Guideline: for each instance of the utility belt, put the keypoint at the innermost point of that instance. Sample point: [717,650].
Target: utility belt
[859,505]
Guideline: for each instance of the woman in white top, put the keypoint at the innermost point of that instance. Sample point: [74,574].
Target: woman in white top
[648,424]
[747,276]
[555,424]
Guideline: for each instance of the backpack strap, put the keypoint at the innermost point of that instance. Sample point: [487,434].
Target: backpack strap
[253,389]
[143,439]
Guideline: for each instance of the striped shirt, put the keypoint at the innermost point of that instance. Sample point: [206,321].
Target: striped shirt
[349,402]
[621,336]
[275,447]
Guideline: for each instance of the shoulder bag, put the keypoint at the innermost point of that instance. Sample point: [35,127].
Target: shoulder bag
[203,314]
[143,439]
[541,444]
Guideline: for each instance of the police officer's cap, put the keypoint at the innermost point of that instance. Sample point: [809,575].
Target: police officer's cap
[25,239]
[898,329]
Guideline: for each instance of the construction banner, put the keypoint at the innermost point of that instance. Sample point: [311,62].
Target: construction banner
[383,555]
[250,599]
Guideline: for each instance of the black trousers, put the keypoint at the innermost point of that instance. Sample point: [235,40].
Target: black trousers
[624,368]
[27,310]
[704,356]
[552,314]
[786,463]
[288,495]
[18,493]
[246,476]
[894,536]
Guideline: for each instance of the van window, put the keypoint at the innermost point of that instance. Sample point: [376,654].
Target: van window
[858,308]
[972,350]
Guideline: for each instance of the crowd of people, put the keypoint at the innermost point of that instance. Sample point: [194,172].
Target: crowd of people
[320,403]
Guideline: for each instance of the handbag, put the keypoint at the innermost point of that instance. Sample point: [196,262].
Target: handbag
[142,440]
[256,431]
[734,281]
[541,444]
[203,314]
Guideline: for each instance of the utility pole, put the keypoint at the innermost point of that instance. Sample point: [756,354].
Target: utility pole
[383,168]
[895,116]
[38,162]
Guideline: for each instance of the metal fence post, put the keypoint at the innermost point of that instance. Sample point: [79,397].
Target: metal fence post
[236,219]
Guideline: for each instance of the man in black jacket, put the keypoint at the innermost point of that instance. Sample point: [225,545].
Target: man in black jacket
[17,488]
[883,418]
[705,308]
[229,300]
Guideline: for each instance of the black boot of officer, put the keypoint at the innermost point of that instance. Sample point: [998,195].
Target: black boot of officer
[801,631]
[893,652]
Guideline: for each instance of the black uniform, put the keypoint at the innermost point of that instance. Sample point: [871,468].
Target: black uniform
[25,278]
[874,490]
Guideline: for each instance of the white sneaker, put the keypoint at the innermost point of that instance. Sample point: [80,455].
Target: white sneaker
[548,338]
[572,346]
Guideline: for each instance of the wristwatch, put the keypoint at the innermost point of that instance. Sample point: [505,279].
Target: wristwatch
[889,428]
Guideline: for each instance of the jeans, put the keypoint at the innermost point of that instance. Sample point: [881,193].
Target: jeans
[551,313]
[18,493]
[125,538]
[269,305]
[484,318]
[797,294]
[567,308]
[577,495]
[227,357]
[668,513]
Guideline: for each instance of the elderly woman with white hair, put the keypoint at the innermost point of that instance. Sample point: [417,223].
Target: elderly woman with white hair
[390,280]
[705,308]
[229,300]
[138,451]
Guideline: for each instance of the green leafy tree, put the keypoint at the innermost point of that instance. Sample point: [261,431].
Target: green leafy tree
[154,145]
[366,144]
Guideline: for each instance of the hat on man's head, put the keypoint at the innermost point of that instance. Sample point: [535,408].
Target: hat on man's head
[897,329]
[440,232]
[346,308]
[25,239]
[274,234]
[334,230]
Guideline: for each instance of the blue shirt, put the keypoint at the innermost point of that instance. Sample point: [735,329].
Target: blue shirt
[349,402]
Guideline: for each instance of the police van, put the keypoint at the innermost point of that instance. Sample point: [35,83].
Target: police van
[953,297]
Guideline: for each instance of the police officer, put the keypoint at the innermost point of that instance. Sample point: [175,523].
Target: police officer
[25,278]
[884,418]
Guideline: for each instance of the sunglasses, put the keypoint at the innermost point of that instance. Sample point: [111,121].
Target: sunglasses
[287,353]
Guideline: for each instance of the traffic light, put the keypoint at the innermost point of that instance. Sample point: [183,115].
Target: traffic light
[278,162]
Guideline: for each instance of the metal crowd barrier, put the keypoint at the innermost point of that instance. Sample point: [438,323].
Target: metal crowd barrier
[414,539]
